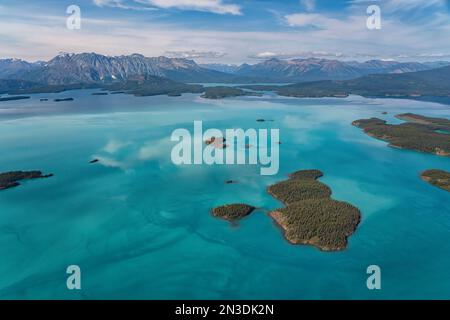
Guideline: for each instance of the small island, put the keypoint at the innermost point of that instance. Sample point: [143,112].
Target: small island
[419,133]
[10,179]
[221,92]
[14,98]
[262,120]
[310,216]
[232,212]
[437,178]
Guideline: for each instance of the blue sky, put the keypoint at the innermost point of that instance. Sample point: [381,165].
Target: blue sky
[230,31]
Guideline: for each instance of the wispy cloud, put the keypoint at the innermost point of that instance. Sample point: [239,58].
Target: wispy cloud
[122,4]
[214,6]
[403,5]
[308,5]
[194,54]
[303,54]
[350,55]
[309,19]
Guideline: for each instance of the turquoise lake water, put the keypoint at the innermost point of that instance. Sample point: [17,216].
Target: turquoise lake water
[139,227]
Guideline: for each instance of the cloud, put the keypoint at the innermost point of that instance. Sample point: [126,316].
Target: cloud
[343,32]
[308,5]
[293,55]
[309,19]
[214,6]
[194,54]
[403,5]
[433,55]
[345,56]
[122,4]
[265,55]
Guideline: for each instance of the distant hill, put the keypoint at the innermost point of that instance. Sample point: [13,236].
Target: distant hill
[227,68]
[313,69]
[16,68]
[435,82]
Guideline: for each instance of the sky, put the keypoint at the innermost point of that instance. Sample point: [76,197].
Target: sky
[228,31]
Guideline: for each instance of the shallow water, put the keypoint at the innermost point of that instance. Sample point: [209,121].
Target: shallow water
[140,227]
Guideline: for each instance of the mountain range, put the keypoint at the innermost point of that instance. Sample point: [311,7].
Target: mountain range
[89,68]
[67,69]
[159,74]
[313,69]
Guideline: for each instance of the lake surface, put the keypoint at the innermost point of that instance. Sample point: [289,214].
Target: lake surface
[140,227]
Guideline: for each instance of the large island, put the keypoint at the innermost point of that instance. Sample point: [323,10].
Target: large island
[221,92]
[310,216]
[419,133]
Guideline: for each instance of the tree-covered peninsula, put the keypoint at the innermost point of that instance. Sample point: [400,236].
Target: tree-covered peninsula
[419,133]
[11,179]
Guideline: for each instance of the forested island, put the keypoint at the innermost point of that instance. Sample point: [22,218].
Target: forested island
[419,133]
[221,92]
[233,212]
[310,216]
[10,179]
[438,178]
